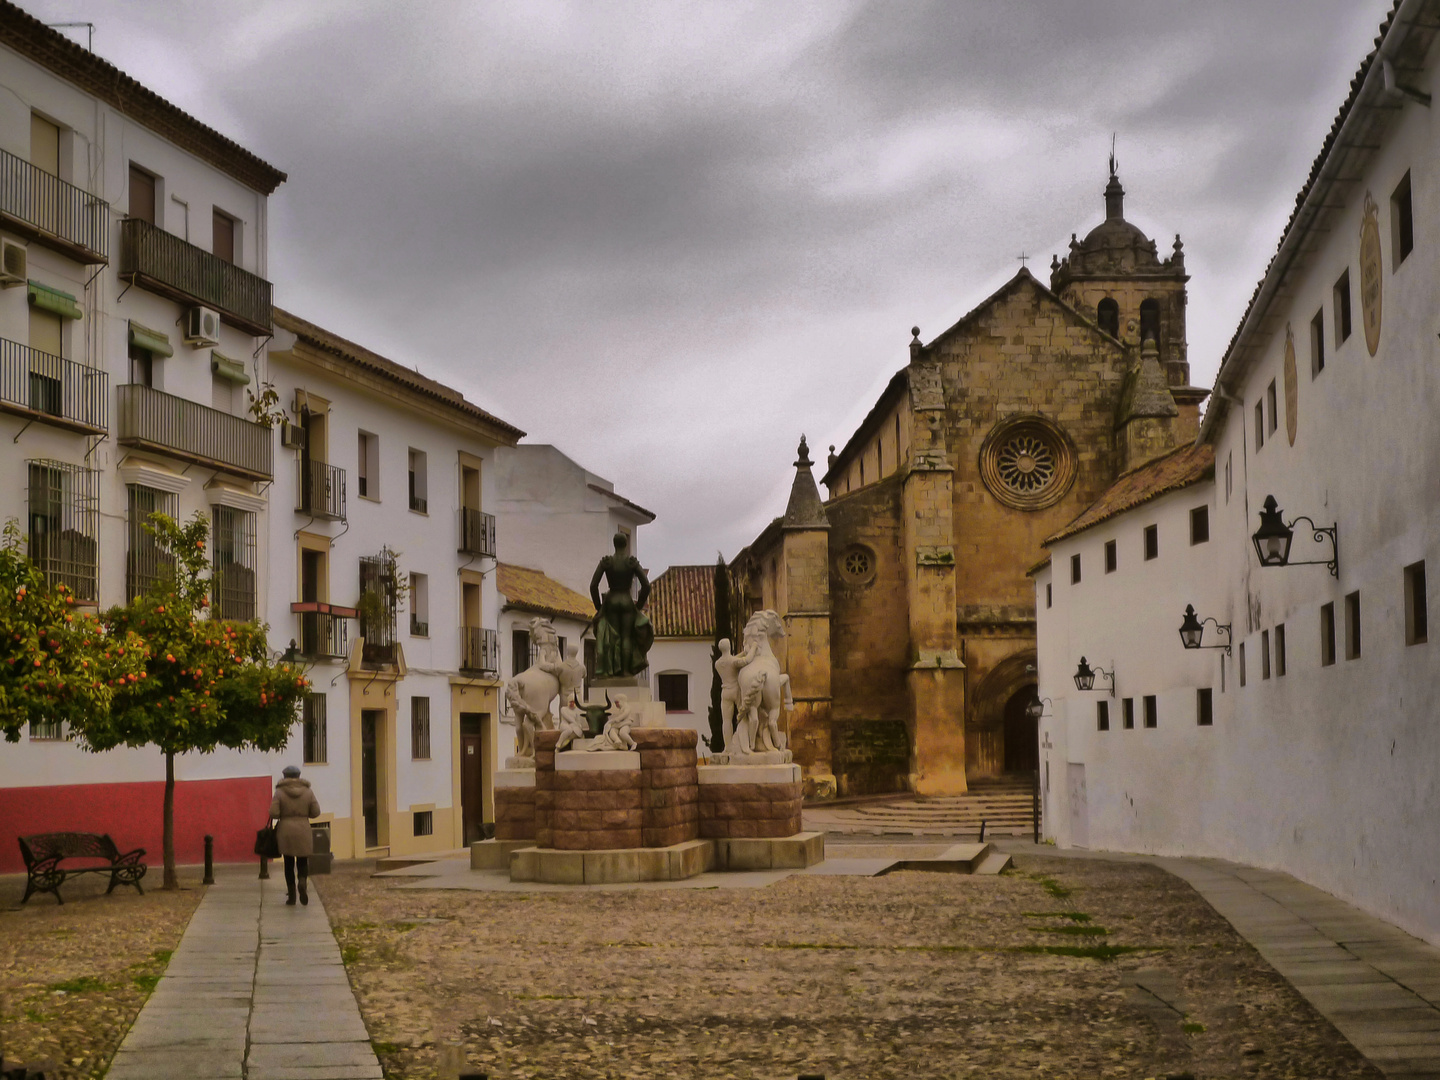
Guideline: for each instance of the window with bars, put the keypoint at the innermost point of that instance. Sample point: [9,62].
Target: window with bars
[313,717]
[420,728]
[46,730]
[62,524]
[232,567]
[379,600]
[146,559]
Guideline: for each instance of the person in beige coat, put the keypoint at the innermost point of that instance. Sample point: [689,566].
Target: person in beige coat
[292,808]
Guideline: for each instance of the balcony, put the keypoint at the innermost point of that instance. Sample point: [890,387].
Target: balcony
[418,627]
[319,490]
[477,532]
[154,420]
[41,207]
[479,651]
[324,630]
[163,263]
[43,387]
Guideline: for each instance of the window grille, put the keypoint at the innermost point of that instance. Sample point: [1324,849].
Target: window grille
[379,598]
[63,512]
[313,715]
[674,691]
[420,728]
[146,559]
[232,564]
[46,730]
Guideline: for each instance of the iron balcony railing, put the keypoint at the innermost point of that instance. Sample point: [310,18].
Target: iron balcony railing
[479,650]
[45,387]
[477,532]
[172,425]
[320,490]
[163,263]
[419,627]
[324,635]
[39,205]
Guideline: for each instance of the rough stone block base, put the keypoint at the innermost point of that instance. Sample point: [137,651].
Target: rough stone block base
[781,853]
[495,854]
[674,863]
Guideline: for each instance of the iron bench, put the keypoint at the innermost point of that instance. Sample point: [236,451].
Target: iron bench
[44,852]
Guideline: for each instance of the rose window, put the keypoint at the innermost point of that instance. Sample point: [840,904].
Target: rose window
[1027,463]
[857,565]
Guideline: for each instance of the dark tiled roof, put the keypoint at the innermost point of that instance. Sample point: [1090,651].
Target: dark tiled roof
[323,339]
[682,602]
[1177,469]
[530,590]
[52,50]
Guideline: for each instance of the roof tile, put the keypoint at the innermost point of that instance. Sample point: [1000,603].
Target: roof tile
[530,590]
[1177,469]
[682,602]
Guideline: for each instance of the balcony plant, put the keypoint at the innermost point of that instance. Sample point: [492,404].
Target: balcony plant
[383,589]
[207,682]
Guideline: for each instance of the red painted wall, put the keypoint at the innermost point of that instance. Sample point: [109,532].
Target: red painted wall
[229,810]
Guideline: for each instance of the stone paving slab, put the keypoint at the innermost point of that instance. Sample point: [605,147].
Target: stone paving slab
[255,990]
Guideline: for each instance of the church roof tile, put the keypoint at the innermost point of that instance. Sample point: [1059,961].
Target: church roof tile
[682,602]
[1177,469]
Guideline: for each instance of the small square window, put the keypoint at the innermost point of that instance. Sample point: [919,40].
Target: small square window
[1199,525]
[1264,654]
[1327,634]
[1417,609]
[1110,556]
[48,730]
[1048,594]
[1152,711]
[1352,626]
[313,717]
[1280,661]
[424,822]
[1317,343]
[1242,663]
[1074,569]
[1102,716]
[1342,308]
[674,690]
[1402,223]
[1152,542]
[1259,424]
[1127,713]
[1204,707]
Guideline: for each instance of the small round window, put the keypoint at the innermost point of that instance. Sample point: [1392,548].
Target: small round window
[857,564]
[1027,463]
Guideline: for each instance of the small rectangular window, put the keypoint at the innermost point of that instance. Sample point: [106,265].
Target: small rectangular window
[1417,609]
[1352,626]
[367,471]
[1242,663]
[1204,707]
[1264,654]
[44,145]
[47,730]
[1074,569]
[1272,405]
[1259,424]
[1152,542]
[424,822]
[1127,713]
[1222,674]
[313,714]
[142,194]
[419,482]
[1152,711]
[1317,343]
[1327,635]
[419,605]
[222,235]
[1102,716]
[1048,595]
[519,651]
[1342,308]
[1280,661]
[420,728]
[142,366]
[674,690]
[1402,222]
[1229,476]
[1110,556]
[1199,525]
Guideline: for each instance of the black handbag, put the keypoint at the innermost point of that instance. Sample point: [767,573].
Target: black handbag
[267,845]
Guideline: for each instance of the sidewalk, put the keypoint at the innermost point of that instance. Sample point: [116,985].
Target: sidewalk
[255,990]
[1379,986]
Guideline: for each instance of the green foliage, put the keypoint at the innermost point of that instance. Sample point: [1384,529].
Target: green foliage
[56,661]
[207,683]
[265,408]
[716,739]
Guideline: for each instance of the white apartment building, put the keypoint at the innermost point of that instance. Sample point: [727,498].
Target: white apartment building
[134,311]
[1311,747]
[383,538]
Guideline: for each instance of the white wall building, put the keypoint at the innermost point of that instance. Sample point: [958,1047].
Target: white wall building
[1321,755]
[682,609]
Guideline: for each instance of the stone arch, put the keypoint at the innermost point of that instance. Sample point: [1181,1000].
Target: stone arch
[985,725]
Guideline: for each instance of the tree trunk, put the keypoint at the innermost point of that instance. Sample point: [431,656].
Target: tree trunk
[168,843]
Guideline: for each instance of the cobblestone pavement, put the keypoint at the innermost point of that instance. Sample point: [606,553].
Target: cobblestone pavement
[1065,968]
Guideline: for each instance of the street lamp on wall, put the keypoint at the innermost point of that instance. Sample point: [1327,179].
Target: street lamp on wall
[1273,538]
[1036,709]
[1085,677]
[1192,630]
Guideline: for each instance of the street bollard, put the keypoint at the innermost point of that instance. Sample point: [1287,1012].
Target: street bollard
[982,830]
[209,878]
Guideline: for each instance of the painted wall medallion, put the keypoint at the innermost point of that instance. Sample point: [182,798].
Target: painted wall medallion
[1292,387]
[1371,275]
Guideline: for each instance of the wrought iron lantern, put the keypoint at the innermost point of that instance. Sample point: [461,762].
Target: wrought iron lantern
[1192,630]
[1273,539]
[292,654]
[1085,677]
[1036,709]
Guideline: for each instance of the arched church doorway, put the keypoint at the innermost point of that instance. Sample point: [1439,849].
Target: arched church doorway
[1022,754]
[997,705]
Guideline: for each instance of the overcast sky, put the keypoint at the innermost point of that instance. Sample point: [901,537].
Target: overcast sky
[670,237]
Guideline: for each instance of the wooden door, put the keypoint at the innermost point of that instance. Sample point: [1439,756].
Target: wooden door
[370,721]
[472,775]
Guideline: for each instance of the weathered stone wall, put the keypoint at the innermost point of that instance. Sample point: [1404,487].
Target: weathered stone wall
[870,756]
[669,788]
[515,813]
[749,810]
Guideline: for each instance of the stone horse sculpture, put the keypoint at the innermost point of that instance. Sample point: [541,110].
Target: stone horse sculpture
[529,694]
[762,690]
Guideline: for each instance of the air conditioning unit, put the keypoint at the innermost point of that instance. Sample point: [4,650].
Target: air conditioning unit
[12,264]
[202,327]
[292,436]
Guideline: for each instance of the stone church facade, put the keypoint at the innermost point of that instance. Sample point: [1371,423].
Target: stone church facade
[910,619]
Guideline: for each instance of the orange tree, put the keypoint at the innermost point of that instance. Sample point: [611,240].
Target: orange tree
[57,664]
[208,683]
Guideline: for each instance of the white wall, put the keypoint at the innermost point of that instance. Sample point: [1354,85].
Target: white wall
[673,655]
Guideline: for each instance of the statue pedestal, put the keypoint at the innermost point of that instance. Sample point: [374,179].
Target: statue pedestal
[636,689]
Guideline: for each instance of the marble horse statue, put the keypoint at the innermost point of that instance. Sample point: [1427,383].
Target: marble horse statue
[762,690]
[529,694]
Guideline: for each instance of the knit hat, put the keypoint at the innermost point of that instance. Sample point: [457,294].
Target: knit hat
[290,772]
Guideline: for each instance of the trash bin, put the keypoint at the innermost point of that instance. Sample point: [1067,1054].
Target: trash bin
[321,860]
